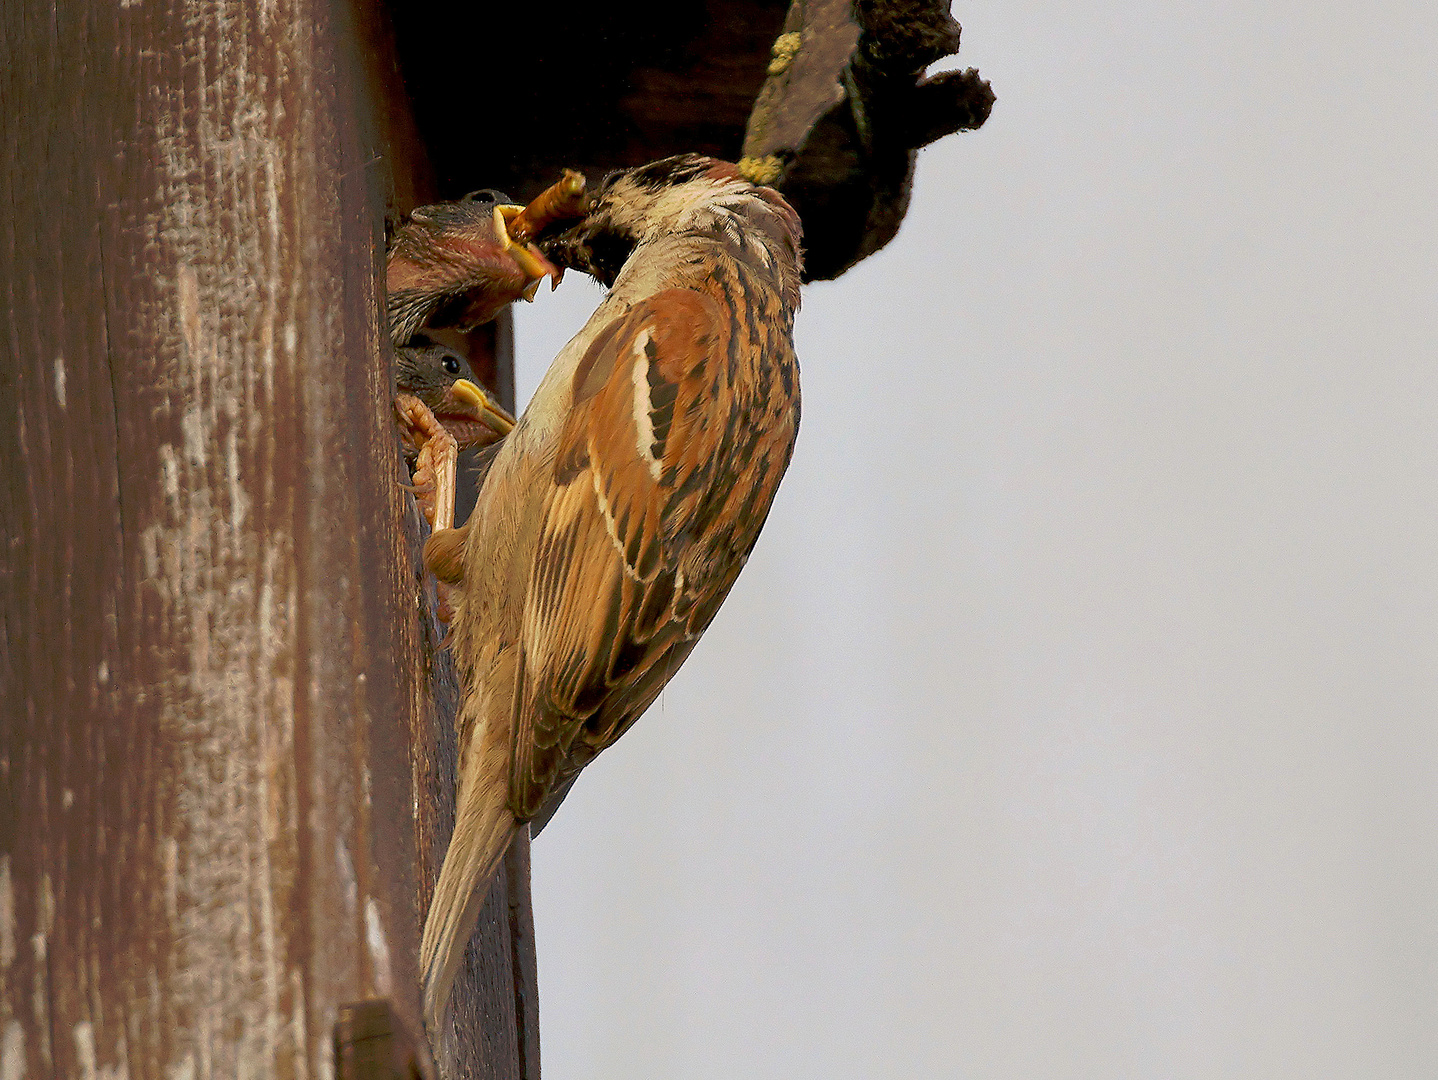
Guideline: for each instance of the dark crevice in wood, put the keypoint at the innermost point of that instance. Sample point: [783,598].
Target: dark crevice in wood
[619,86]
[371,1042]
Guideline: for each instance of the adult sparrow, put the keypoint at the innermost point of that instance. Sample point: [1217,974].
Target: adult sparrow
[620,509]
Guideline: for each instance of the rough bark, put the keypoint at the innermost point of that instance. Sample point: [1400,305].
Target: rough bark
[845,109]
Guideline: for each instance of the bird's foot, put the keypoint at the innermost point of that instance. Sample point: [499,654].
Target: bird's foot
[438,462]
[434,477]
[444,557]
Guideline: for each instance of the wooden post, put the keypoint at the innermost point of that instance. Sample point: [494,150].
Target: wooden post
[223,717]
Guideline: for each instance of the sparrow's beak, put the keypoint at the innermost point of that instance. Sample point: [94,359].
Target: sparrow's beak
[527,256]
[467,393]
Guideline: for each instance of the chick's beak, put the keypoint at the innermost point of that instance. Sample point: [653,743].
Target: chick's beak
[527,256]
[486,410]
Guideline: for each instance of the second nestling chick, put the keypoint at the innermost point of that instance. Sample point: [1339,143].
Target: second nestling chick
[442,410]
[442,378]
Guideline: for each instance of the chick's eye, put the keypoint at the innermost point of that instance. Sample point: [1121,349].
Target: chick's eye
[486,195]
[451,365]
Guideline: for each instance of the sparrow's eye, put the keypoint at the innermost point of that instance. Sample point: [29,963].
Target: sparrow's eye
[451,365]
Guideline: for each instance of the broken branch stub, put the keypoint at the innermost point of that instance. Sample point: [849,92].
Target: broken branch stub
[843,112]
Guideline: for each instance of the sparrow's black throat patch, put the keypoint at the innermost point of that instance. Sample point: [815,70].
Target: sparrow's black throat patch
[591,247]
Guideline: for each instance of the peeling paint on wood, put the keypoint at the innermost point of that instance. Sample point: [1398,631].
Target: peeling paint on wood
[226,757]
[7,915]
[209,621]
[12,1051]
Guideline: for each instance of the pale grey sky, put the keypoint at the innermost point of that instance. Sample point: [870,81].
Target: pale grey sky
[1075,716]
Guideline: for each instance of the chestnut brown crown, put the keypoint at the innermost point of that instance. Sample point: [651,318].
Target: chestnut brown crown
[675,195]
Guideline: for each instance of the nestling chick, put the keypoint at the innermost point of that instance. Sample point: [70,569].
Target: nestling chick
[620,510]
[442,378]
[441,410]
[455,264]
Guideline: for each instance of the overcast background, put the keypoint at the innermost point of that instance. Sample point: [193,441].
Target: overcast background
[1075,716]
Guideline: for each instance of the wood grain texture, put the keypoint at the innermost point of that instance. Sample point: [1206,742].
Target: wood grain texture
[222,713]
[796,95]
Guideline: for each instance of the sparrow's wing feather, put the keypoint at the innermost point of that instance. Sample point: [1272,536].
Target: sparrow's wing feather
[642,472]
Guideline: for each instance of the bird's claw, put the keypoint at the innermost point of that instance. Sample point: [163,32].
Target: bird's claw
[435,471]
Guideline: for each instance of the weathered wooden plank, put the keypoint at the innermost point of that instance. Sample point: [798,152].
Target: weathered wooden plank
[212,635]
[494,1025]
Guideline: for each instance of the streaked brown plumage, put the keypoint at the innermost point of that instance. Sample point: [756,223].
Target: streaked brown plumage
[622,507]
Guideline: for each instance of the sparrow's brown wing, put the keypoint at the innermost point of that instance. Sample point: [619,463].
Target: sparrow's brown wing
[642,534]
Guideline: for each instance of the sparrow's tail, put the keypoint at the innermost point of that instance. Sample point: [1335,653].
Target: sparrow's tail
[483,828]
